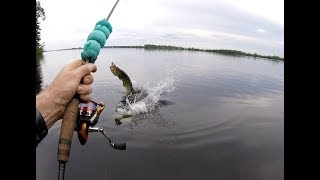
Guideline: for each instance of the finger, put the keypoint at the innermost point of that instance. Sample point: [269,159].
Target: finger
[88,79]
[85,70]
[84,89]
[85,98]
[74,64]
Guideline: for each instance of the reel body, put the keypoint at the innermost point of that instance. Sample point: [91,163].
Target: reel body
[88,116]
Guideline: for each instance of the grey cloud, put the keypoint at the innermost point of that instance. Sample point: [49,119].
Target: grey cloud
[218,17]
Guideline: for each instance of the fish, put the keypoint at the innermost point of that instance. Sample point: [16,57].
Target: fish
[131,93]
[126,81]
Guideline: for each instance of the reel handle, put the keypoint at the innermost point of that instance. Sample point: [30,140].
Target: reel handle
[120,146]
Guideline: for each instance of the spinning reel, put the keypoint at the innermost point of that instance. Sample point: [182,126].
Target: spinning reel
[87,118]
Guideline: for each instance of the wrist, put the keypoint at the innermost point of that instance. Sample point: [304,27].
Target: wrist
[49,109]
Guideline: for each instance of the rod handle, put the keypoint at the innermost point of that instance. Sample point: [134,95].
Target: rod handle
[67,129]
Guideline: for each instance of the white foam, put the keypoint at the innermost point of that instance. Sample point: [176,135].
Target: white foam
[149,102]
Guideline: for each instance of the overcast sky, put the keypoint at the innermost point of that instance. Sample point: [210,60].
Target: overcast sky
[254,26]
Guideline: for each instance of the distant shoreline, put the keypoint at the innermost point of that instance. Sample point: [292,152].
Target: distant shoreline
[166,47]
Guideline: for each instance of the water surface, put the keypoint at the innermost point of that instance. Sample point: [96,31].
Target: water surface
[219,117]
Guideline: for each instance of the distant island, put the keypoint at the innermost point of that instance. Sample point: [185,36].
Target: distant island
[175,48]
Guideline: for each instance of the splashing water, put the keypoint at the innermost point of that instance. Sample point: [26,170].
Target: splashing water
[146,101]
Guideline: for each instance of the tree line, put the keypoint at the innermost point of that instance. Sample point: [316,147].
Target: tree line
[219,51]
[40,15]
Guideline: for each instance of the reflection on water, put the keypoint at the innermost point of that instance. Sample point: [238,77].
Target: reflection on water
[39,77]
[223,119]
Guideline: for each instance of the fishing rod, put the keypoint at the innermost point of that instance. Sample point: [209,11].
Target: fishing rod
[81,117]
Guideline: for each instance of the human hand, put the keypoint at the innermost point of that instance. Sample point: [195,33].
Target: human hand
[74,78]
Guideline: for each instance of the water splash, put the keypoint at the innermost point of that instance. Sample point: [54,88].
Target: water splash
[147,100]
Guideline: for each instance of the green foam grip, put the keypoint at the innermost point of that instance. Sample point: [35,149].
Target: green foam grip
[92,49]
[96,40]
[103,29]
[98,36]
[105,23]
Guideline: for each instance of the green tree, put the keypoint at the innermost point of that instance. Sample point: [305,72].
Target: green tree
[40,14]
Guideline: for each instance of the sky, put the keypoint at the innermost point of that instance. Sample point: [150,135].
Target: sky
[253,26]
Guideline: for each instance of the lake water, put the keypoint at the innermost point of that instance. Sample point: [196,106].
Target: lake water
[207,116]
